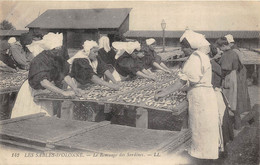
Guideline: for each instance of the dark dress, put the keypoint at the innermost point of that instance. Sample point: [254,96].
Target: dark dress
[230,61]
[49,65]
[227,129]
[4,57]
[82,71]
[126,65]
[107,57]
[150,57]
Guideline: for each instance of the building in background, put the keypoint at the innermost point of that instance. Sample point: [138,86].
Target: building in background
[244,39]
[6,34]
[78,25]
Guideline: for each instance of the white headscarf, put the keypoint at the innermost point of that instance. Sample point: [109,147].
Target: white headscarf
[229,38]
[150,41]
[87,46]
[196,40]
[52,40]
[48,42]
[104,43]
[131,46]
[120,47]
[11,40]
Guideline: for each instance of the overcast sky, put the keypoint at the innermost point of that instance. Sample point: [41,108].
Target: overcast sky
[178,15]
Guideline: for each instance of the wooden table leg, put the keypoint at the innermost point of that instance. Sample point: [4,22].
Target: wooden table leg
[141,118]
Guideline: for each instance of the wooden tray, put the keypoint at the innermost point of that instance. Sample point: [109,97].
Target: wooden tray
[41,131]
[50,133]
[117,138]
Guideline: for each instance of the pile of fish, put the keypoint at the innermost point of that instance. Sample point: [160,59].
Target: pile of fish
[12,80]
[137,92]
[145,97]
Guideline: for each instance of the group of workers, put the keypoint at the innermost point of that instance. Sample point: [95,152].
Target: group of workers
[213,77]
[99,64]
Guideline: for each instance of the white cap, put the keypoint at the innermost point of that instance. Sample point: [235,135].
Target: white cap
[104,43]
[89,45]
[52,40]
[131,46]
[229,38]
[11,40]
[119,45]
[150,41]
[196,40]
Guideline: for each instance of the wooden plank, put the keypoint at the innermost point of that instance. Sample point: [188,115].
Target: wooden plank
[77,132]
[176,143]
[183,136]
[37,115]
[15,143]
[10,134]
[10,90]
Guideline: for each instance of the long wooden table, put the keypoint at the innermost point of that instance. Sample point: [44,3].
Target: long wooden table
[42,133]
[139,94]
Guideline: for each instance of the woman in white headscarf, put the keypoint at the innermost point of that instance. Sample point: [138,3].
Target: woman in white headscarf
[46,73]
[234,74]
[19,55]
[87,67]
[105,52]
[151,58]
[129,61]
[203,109]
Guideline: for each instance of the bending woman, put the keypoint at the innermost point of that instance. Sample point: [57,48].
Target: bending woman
[46,73]
[87,67]
[129,63]
[151,58]
[203,110]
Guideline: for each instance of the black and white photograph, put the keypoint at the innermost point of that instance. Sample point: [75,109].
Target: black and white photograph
[129,82]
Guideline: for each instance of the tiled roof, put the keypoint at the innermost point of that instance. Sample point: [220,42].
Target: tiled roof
[81,18]
[178,34]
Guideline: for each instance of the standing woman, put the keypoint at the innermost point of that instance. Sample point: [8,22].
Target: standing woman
[87,67]
[203,110]
[226,128]
[46,73]
[151,57]
[233,87]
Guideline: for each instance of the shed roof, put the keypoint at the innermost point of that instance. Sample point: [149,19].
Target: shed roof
[13,33]
[81,18]
[178,34]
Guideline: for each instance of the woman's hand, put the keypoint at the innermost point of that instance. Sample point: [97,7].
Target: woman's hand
[79,92]
[68,93]
[159,94]
[114,86]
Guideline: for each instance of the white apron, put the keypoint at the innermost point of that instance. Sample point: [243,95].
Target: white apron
[221,111]
[203,120]
[203,108]
[25,104]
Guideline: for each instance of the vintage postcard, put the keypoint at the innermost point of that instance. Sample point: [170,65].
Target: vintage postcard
[129,82]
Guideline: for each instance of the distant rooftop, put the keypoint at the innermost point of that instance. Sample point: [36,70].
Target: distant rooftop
[81,18]
[13,33]
[178,34]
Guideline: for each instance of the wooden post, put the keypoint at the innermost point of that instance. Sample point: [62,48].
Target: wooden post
[141,118]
